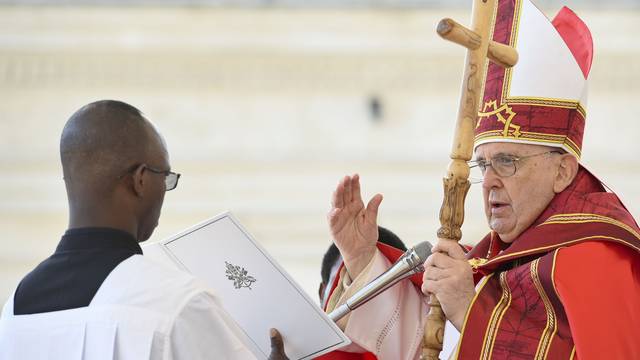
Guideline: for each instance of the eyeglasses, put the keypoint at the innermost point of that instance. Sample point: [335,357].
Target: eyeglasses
[503,165]
[170,178]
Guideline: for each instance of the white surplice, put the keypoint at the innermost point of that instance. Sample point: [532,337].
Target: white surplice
[143,310]
[391,325]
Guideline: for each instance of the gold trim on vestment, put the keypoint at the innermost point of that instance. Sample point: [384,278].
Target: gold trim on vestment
[580,218]
[551,327]
[495,319]
[614,239]
[466,316]
[553,273]
[476,262]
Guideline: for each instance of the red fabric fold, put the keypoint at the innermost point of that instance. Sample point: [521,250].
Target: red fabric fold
[577,36]
[613,307]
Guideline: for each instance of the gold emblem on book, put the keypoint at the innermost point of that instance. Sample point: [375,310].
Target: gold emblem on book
[504,114]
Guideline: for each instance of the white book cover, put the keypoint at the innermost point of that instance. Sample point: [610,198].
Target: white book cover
[255,290]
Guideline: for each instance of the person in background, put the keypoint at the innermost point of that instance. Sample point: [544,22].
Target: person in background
[331,262]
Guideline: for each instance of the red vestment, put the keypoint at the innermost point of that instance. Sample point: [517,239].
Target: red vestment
[567,287]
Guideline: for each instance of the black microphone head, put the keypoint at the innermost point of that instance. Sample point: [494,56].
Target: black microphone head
[423,250]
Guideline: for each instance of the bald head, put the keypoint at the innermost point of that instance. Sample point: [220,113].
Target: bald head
[107,149]
[101,142]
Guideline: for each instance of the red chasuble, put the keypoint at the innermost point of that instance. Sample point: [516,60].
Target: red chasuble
[567,288]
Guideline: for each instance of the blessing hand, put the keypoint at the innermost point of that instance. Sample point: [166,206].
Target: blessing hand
[353,227]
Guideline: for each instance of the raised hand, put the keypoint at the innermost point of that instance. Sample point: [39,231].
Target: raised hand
[354,228]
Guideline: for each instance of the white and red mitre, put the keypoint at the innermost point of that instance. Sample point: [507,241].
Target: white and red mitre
[542,99]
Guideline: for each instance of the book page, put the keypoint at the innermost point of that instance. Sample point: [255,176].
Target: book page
[254,289]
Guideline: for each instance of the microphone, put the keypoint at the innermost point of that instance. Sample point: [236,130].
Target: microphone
[410,263]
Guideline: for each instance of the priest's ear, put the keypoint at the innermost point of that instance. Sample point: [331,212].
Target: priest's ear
[139,180]
[566,172]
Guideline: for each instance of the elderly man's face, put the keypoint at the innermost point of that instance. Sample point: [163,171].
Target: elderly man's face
[513,203]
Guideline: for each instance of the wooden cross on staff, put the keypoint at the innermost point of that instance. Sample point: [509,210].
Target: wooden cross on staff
[456,183]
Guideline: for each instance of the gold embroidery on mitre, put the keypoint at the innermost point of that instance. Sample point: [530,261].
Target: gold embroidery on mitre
[504,114]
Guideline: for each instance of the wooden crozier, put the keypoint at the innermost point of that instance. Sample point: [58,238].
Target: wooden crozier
[456,183]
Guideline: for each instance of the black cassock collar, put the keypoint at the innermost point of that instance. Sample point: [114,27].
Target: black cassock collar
[98,239]
[71,277]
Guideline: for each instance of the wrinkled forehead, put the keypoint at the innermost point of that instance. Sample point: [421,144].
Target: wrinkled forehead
[490,150]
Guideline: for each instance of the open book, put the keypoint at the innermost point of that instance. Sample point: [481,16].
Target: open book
[254,288]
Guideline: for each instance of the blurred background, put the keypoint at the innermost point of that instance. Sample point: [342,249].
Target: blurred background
[266,104]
